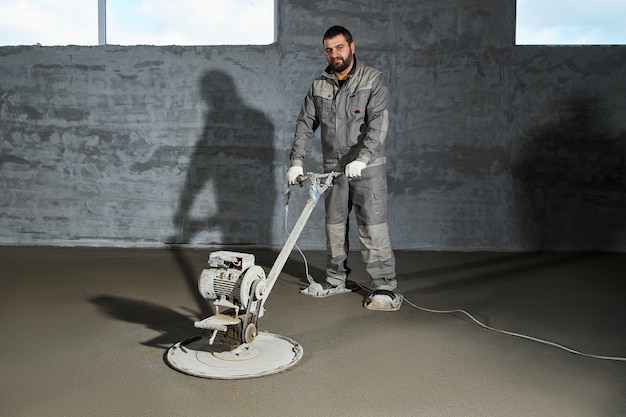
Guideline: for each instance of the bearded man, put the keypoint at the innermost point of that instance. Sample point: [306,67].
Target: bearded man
[348,102]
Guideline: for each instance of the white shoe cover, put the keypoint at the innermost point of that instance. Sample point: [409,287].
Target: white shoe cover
[381,302]
[316,290]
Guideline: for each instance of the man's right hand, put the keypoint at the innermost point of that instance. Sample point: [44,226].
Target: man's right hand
[293,174]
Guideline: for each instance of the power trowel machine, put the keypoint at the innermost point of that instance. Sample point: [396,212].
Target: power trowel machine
[233,347]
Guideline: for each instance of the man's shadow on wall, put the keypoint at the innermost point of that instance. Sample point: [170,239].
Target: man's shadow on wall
[225,198]
[570,182]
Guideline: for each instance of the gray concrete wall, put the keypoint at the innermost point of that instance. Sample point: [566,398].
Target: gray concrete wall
[492,146]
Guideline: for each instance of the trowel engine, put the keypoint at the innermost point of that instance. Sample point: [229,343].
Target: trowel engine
[239,289]
[235,286]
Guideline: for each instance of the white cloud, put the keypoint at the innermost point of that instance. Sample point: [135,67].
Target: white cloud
[130,22]
[48,22]
[191,22]
[554,22]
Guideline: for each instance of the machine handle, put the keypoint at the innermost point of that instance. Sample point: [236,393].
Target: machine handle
[315,176]
[319,184]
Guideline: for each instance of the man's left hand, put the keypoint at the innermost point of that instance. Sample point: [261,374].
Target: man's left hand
[354,168]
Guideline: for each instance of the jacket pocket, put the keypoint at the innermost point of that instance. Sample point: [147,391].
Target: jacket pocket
[358,102]
[323,105]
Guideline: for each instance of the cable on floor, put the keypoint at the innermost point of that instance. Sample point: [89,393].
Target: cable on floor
[458,311]
[309,277]
[506,332]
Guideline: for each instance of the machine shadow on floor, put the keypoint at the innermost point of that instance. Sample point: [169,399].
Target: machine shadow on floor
[172,326]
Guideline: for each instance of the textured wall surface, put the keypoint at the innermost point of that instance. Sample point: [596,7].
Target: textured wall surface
[491,146]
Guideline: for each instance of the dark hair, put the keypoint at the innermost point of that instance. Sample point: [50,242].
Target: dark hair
[338,30]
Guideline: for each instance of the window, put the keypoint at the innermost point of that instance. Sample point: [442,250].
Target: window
[48,22]
[190,22]
[573,22]
[132,22]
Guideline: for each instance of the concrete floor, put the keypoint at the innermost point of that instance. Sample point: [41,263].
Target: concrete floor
[85,330]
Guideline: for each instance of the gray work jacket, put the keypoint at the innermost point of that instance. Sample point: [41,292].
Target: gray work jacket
[354,119]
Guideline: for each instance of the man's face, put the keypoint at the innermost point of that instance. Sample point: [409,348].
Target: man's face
[339,53]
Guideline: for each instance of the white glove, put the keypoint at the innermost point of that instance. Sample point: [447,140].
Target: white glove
[293,174]
[354,168]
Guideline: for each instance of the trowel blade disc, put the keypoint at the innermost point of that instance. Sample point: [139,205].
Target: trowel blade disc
[195,356]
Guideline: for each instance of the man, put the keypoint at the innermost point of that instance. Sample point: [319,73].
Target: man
[348,102]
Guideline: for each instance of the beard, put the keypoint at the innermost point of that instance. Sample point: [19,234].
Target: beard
[341,65]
